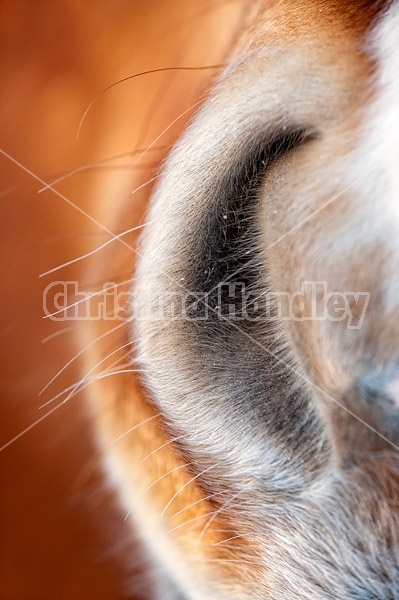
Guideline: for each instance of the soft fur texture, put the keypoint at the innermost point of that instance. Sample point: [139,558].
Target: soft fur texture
[253,449]
[288,174]
[256,457]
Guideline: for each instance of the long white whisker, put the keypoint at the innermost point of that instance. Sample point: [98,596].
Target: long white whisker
[152,418]
[38,421]
[63,197]
[98,249]
[78,354]
[88,297]
[190,108]
[97,163]
[184,487]
[229,539]
[215,514]
[143,185]
[165,475]
[54,398]
[204,499]
[193,520]
[70,387]
[30,427]
[119,372]
[84,379]
[175,439]
[56,334]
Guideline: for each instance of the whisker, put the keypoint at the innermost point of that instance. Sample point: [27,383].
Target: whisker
[119,372]
[104,245]
[79,353]
[70,387]
[184,487]
[229,539]
[97,163]
[215,514]
[30,427]
[189,521]
[103,375]
[84,378]
[88,297]
[171,441]
[143,185]
[63,197]
[165,475]
[196,502]
[132,429]
[158,137]
[231,560]
[54,398]
[135,76]
[56,334]
[127,515]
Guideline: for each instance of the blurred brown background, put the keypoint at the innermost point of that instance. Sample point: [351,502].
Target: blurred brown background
[62,534]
